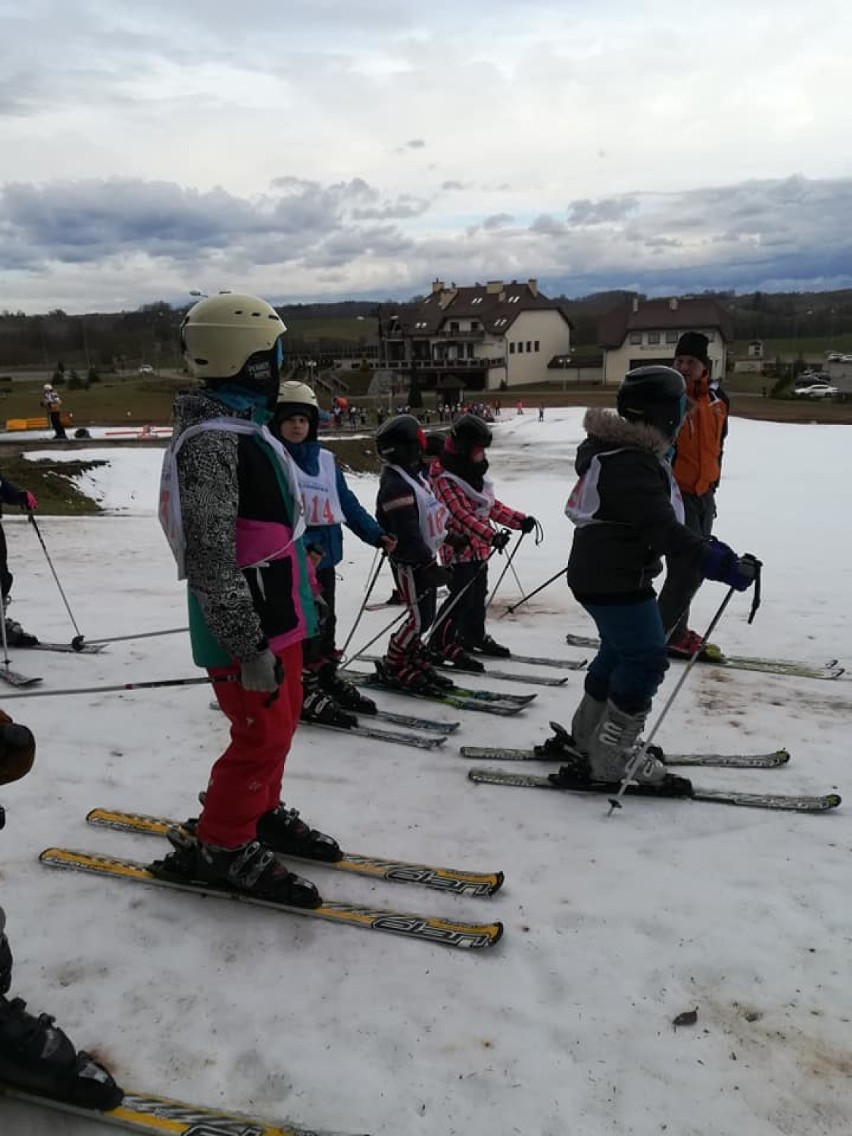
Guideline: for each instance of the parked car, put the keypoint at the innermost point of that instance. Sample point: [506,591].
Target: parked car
[816,390]
[146,369]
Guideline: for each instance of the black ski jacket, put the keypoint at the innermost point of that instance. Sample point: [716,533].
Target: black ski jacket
[617,552]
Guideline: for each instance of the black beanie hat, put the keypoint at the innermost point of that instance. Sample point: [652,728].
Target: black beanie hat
[695,344]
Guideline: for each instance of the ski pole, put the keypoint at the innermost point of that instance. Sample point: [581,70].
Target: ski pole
[384,631]
[32,520]
[156,685]
[7,662]
[534,592]
[80,641]
[450,604]
[517,579]
[642,750]
[506,568]
[365,601]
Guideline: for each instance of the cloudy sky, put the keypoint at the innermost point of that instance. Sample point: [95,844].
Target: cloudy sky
[333,149]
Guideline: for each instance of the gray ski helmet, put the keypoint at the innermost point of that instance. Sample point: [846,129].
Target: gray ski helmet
[401,440]
[655,395]
[470,431]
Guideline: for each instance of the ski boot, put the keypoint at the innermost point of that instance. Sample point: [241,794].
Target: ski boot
[434,679]
[343,693]
[455,657]
[37,1056]
[251,868]
[16,636]
[613,746]
[685,645]
[283,831]
[318,706]
[488,647]
[407,675]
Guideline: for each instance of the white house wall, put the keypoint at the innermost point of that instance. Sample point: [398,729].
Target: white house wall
[617,360]
[552,334]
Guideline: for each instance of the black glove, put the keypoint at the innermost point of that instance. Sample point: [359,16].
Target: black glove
[721,563]
[500,539]
[434,576]
[457,541]
[528,524]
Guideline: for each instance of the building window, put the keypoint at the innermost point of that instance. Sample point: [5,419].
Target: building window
[529,346]
[536,346]
[474,325]
[513,299]
[511,349]
[653,337]
[672,336]
[635,337]
[476,300]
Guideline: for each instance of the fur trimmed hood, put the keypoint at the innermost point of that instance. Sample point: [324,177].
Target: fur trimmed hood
[606,430]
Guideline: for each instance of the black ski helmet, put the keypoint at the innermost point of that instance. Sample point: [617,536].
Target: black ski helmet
[655,395]
[470,431]
[401,440]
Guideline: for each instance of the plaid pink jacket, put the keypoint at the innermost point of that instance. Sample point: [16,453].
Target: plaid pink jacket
[464,522]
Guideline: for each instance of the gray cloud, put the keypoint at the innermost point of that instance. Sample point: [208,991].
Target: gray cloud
[303,238]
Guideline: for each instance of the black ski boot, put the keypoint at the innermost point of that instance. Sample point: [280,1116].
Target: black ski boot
[408,675]
[38,1057]
[282,830]
[318,706]
[252,868]
[487,646]
[434,679]
[16,636]
[455,657]
[344,693]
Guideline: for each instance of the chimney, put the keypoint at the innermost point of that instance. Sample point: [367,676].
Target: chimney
[673,303]
[494,287]
[532,284]
[437,286]
[635,303]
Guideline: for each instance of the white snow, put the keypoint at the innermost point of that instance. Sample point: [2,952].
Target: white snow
[613,926]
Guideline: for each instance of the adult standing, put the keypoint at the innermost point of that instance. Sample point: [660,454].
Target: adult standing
[10,494]
[52,403]
[697,466]
[237,536]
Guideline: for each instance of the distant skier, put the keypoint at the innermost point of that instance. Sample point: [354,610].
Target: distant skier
[459,480]
[249,592]
[52,403]
[628,513]
[541,412]
[35,1054]
[329,503]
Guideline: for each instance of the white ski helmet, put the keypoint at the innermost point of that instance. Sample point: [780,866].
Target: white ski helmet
[298,398]
[220,334]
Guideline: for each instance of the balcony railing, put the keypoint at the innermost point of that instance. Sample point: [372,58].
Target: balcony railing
[455,364]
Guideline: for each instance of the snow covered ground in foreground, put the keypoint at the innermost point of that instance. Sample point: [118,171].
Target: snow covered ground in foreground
[613,926]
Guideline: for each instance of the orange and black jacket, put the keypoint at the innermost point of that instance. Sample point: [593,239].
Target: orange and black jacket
[697,463]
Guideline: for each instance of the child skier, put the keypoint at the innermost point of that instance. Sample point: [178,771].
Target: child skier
[627,510]
[459,481]
[408,510]
[328,503]
[35,1055]
[237,539]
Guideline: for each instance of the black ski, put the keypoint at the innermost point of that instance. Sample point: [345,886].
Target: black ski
[65,648]
[544,661]
[399,737]
[353,863]
[431,725]
[428,928]
[455,697]
[461,691]
[15,678]
[788,667]
[781,801]
[503,676]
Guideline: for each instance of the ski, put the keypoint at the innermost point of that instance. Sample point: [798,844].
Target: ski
[154,1115]
[65,648]
[782,801]
[399,737]
[376,867]
[544,661]
[15,678]
[445,697]
[789,667]
[717,760]
[431,725]
[428,928]
[461,691]
[503,676]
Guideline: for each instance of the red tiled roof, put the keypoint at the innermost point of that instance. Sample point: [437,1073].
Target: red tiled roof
[659,315]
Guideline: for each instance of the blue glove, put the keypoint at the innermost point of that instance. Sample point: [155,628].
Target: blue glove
[720,562]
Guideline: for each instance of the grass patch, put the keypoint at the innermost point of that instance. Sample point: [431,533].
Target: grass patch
[110,402]
[51,482]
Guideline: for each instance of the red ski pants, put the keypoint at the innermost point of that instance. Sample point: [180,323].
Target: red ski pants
[246,780]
